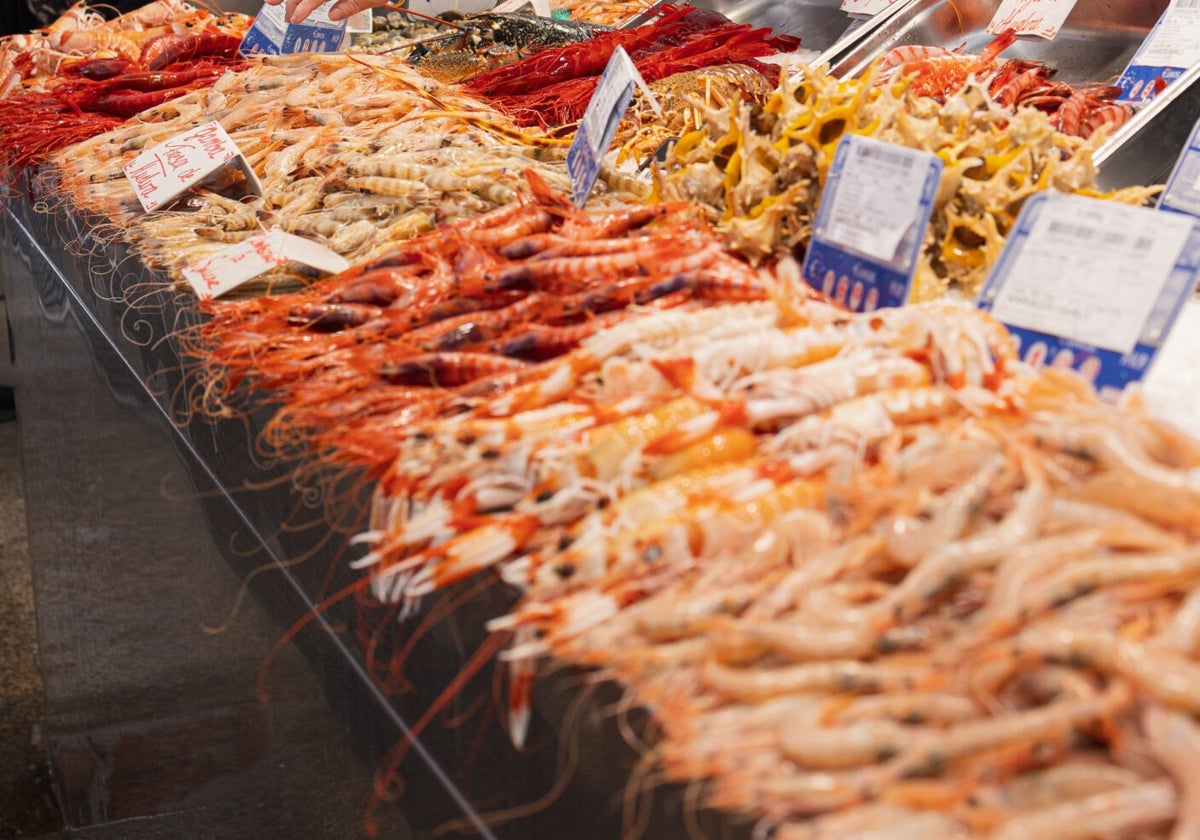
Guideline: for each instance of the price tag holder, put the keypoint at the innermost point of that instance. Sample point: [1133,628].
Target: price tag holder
[1093,285]
[1182,193]
[604,113]
[871,223]
[1042,18]
[246,260]
[1172,46]
[271,34]
[163,173]
[866,8]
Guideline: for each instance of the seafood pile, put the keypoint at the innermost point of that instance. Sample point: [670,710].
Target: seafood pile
[353,151]
[85,81]
[553,87]
[758,171]
[868,573]
[941,73]
[454,317]
[32,62]
[683,99]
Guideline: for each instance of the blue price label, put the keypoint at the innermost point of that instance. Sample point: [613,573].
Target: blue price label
[1066,312]
[871,223]
[605,110]
[1182,194]
[271,34]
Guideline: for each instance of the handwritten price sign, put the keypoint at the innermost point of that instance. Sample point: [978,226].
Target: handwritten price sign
[257,255]
[163,173]
[1042,18]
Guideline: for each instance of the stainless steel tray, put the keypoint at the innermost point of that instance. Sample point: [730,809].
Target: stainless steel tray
[822,27]
[1094,45]
[1144,150]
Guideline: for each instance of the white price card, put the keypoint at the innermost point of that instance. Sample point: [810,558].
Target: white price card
[1093,285]
[877,198]
[866,8]
[161,174]
[360,23]
[1172,46]
[871,223]
[1172,388]
[541,8]
[604,113]
[240,263]
[1042,18]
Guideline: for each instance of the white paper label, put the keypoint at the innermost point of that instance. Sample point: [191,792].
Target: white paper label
[1031,17]
[246,260]
[1092,271]
[867,8]
[163,173]
[541,8]
[360,22]
[878,198]
[1175,42]
[1172,387]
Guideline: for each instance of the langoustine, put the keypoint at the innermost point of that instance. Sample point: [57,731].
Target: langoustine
[355,152]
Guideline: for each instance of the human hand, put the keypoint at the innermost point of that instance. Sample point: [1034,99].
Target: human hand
[297,10]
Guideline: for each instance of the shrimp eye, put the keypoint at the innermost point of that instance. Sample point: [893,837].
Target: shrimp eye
[490,454]
[565,570]
[544,496]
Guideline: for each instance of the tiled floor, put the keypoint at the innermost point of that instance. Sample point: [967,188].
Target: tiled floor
[26,807]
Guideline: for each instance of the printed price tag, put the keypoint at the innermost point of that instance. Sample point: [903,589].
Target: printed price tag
[867,8]
[271,34]
[260,253]
[1182,194]
[1031,17]
[1093,285]
[163,173]
[1172,46]
[1172,387]
[600,121]
[871,222]
[541,8]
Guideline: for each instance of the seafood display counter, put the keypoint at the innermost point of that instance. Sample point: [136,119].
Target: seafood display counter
[170,560]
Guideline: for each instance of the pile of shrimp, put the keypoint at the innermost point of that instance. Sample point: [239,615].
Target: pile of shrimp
[94,95]
[872,577]
[453,317]
[603,12]
[31,62]
[940,73]
[759,171]
[355,152]
[553,87]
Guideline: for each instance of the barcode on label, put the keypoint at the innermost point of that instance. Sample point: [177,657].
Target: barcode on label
[892,157]
[1187,4]
[1111,238]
